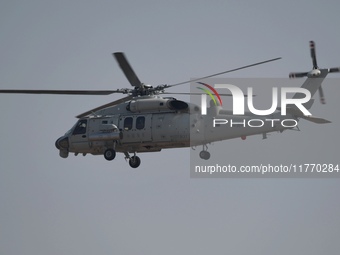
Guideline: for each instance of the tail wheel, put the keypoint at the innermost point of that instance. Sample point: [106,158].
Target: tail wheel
[110,154]
[134,161]
[205,155]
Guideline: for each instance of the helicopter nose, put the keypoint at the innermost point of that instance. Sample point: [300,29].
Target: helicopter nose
[62,143]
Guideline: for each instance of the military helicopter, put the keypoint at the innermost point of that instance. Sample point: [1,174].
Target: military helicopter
[145,121]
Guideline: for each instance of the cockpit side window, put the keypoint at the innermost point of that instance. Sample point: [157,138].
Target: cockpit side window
[140,122]
[128,123]
[80,128]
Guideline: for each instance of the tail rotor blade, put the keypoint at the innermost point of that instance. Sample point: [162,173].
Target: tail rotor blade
[322,96]
[298,75]
[312,54]
[334,70]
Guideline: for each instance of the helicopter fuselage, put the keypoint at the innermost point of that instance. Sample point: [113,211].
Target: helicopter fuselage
[153,123]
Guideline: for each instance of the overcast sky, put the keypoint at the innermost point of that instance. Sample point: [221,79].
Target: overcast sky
[87,205]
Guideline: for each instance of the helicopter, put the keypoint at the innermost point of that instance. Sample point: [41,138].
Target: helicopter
[145,121]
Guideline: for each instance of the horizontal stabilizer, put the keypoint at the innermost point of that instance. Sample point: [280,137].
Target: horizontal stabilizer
[316,119]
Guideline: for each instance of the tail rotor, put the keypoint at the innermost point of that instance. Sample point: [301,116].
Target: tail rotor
[315,72]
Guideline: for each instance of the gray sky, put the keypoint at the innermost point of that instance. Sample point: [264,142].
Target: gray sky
[87,205]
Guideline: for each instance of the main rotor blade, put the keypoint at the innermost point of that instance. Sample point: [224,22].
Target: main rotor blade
[189,94]
[198,94]
[104,106]
[61,92]
[229,71]
[312,54]
[127,69]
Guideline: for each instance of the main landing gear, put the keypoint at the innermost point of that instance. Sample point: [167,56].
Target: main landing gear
[205,154]
[134,161]
[110,154]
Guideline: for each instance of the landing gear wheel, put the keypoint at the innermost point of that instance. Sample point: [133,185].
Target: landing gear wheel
[134,161]
[109,154]
[205,155]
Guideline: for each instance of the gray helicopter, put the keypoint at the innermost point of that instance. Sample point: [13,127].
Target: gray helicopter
[145,121]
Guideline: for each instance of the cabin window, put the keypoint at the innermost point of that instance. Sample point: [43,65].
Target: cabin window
[128,123]
[80,128]
[140,122]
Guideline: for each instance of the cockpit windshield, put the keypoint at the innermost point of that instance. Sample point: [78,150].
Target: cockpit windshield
[80,127]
